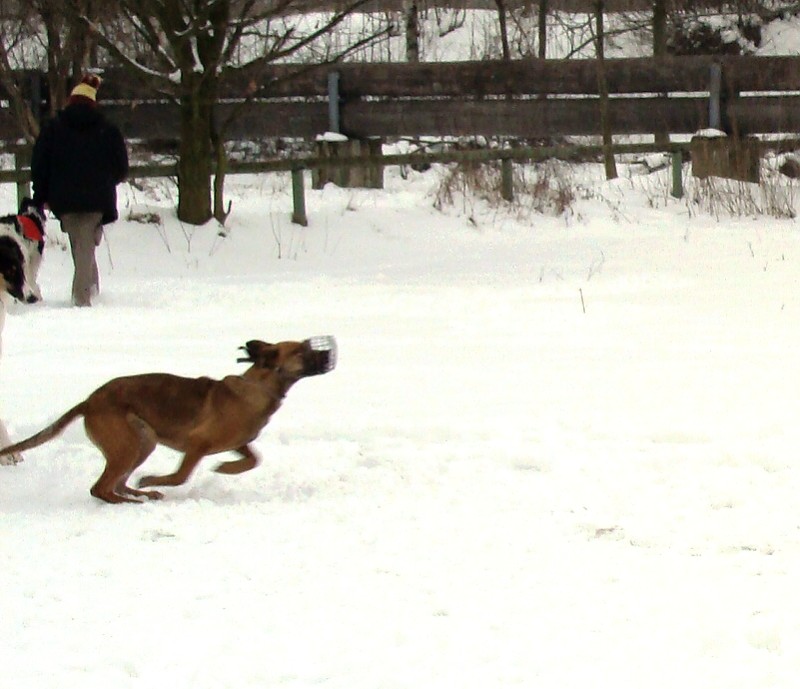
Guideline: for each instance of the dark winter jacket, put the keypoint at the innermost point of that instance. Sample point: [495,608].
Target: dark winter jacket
[78,160]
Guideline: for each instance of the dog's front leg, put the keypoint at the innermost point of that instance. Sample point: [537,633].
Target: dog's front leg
[249,460]
[187,465]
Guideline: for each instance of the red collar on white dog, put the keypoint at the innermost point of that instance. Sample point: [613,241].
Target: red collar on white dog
[30,229]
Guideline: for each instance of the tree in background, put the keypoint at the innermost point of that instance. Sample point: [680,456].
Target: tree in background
[602,83]
[16,33]
[412,30]
[182,49]
[69,44]
[659,28]
[41,36]
[502,21]
[542,29]
[660,50]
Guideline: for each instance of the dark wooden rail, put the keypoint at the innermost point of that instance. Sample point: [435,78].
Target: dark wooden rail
[523,98]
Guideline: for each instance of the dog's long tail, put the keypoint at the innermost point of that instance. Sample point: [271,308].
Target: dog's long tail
[46,433]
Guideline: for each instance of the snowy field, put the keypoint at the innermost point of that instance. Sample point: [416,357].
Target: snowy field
[557,451]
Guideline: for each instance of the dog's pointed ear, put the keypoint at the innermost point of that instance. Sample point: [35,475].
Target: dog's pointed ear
[260,353]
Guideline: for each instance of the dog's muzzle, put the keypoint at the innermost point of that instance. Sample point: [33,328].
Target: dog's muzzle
[320,356]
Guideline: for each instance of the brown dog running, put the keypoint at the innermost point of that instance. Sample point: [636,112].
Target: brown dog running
[128,417]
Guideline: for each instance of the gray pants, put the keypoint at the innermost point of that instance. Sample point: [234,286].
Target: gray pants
[85,232]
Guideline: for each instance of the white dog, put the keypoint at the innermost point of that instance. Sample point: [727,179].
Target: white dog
[20,257]
[29,226]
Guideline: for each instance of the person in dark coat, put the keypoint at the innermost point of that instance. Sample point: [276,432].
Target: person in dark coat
[78,160]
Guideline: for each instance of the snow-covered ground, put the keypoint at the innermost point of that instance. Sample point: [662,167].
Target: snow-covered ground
[556,452]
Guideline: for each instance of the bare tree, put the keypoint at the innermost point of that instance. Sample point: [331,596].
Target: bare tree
[182,49]
[503,22]
[543,7]
[659,28]
[602,83]
[39,37]
[660,50]
[17,32]
[411,21]
[69,44]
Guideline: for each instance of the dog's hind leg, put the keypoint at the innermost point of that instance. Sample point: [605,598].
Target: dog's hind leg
[248,461]
[106,487]
[123,448]
[181,474]
[147,443]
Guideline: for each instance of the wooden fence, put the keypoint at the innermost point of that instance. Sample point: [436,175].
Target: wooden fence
[528,99]
[524,99]
[297,166]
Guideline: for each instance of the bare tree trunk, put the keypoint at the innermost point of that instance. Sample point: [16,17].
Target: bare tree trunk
[659,50]
[71,47]
[411,12]
[80,47]
[602,83]
[659,28]
[543,29]
[506,166]
[501,18]
[194,152]
[57,72]
[20,106]
[221,213]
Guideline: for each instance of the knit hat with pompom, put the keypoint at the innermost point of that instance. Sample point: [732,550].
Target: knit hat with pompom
[86,91]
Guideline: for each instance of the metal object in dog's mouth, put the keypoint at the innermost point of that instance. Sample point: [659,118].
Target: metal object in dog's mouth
[322,355]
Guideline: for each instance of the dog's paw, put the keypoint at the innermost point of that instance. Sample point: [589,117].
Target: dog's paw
[145,481]
[11,460]
[236,466]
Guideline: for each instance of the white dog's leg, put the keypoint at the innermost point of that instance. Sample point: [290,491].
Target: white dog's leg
[5,441]
[32,273]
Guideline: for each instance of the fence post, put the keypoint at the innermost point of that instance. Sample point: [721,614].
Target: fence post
[367,174]
[298,198]
[715,96]
[334,114]
[677,174]
[507,179]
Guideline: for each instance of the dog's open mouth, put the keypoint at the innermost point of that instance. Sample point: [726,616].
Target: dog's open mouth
[320,357]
